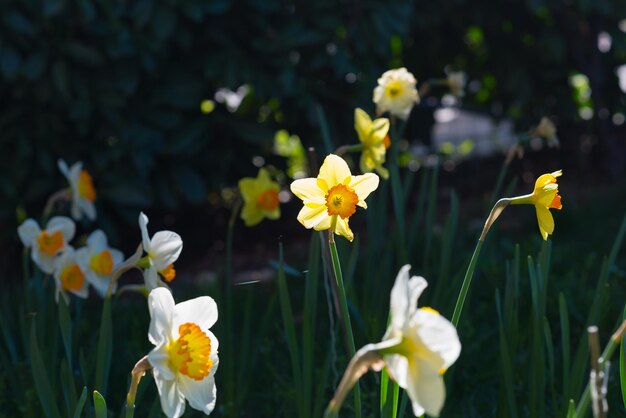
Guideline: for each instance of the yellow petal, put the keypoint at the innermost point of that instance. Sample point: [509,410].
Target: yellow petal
[334,170]
[308,190]
[343,229]
[248,189]
[546,222]
[362,124]
[312,217]
[380,128]
[251,214]
[363,185]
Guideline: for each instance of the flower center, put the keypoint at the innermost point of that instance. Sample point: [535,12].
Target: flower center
[102,263]
[393,89]
[341,200]
[85,186]
[72,277]
[168,273]
[387,141]
[50,243]
[268,200]
[190,354]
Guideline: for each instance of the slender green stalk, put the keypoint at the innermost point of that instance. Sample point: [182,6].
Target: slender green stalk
[396,191]
[346,314]
[467,280]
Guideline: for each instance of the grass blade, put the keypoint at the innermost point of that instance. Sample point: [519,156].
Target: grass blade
[65,322]
[99,404]
[40,377]
[81,403]
[105,348]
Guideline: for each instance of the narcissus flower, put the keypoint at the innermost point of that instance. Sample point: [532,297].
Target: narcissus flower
[375,139]
[419,345]
[69,276]
[547,131]
[163,250]
[456,83]
[99,261]
[260,198]
[544,197]
[331,198]
[47,244]
[396,93]
[83,192]
[184,359]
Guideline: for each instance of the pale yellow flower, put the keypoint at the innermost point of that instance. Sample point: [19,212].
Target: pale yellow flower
[456,83]
[547,131]
[396,93]
[544,197]
[375,139]
[260,198]
[331,198]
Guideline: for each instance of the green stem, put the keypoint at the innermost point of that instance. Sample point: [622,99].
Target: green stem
[228,308]
[346,314]
[467,280]
[396,190]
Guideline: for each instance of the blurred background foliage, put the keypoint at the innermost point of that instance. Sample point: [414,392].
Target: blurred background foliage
[125,86]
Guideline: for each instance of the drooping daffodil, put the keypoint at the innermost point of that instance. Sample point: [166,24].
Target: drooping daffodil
[396,93]
[99,261]
[375,140]
[162,251]
[69,276]
[331,198]
[417,348]
[83,192]
[184,359]
[47,244]
[260,198]
[544,197]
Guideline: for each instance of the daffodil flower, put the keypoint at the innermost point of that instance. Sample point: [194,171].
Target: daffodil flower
[184,359]
[47,244]
[417,348]
[375,139]
[69,276]
[163,250]
[331,198]
[99,261]
[456,83]
[260,198]
[544,197]
[547,131]
[396,93]
[83,192]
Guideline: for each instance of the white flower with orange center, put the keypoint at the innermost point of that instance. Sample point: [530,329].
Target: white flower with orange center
[83,192]
[163,250]
[47,244]
[260,198]
[184,359]
[69,276]
[331,198]
[396,93]
[99,261]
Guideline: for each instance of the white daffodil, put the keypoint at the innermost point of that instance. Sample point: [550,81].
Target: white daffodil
[417,349]
[163,250]
[99,261]
[396,93]
[69,276]
[185,359]
[47,244]
[83,192]
[456,81]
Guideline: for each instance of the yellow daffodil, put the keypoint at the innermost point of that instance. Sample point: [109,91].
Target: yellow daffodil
[375,139]
[331,198]
[260,198]
[184,359]
[83,192]
[163,250]
[396,93]
[544,197]
[417,348]
[47,244]
[456,83]
[99,261]
[69,276]
[547,131]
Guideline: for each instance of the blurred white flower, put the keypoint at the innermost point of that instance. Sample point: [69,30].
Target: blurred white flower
[69,276]
[83,192]
[163,250]
[184,359]
[547,131]
[99,261]
[47,244]
[396,93]
[456,83]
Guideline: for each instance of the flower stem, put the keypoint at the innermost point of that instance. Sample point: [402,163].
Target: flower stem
[467,280]
[346,314]
[138,372]
[396,189]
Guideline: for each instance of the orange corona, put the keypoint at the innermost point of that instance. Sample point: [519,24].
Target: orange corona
[190,354]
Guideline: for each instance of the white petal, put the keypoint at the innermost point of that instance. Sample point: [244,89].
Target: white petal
[83,292]
[404,295]
[398,368]
[172,401]
[77,214]
[45,262]
[87,207]
[201,395]
[161,306]
[117,256]
[215,345]
[100,283]
[143,225]
[82,257]
[425,388]
[159,360]
[438,335]
[28,231]
[63,167]
[201,311]
[151,278]
[165,247]
[97,241]
[63,224]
